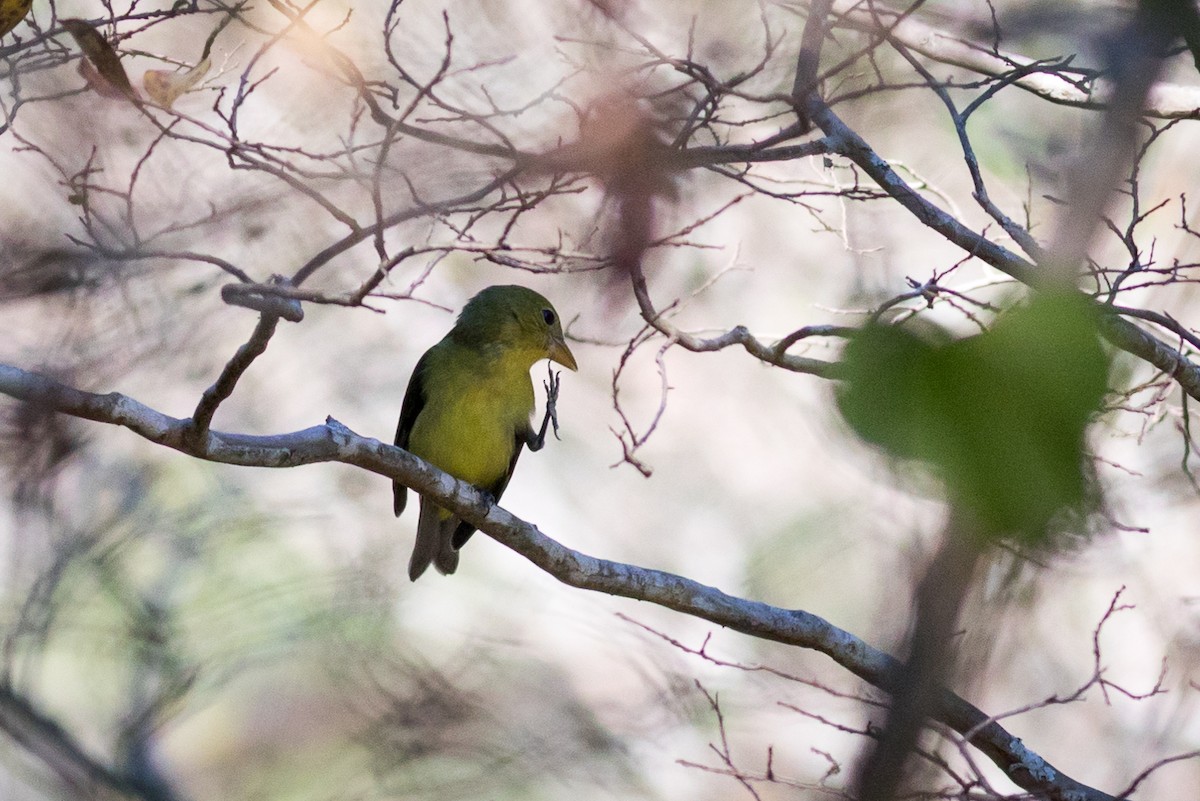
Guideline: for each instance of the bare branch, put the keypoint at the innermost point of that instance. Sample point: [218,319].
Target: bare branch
[1119,332]
[62,753]
[1171,101]
[233,371]
[333,442]
[775,353]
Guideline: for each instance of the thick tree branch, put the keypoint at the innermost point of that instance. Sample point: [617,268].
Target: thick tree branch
[333,442]
[1121,333]
[930,661]
[809,59]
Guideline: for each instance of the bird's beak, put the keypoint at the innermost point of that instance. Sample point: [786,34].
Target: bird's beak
[559,352]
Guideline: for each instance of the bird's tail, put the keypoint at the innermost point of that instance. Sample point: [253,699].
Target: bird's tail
[435,530]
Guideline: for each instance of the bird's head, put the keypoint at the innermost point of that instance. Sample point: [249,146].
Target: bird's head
[517,319]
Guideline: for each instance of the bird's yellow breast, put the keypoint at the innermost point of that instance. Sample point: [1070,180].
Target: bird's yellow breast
[472,416]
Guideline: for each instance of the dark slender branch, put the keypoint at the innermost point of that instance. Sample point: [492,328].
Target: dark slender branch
[368,232]
[333,442]
[843,331]
[1166,101]
[1162,763]
[60,751]
[127,254]
[854,147]
[1164,320]
[775,354]
[808,62]
[1018,233]
[756,152]
[930,662]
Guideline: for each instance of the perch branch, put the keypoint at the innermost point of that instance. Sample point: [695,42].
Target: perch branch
[333,442]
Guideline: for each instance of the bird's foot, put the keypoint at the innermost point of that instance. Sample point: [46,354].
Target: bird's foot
[551,386]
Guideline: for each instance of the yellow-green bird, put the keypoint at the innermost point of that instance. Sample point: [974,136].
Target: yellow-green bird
[468,405]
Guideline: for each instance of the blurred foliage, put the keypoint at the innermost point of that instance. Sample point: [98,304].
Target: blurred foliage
[1000,417]
[182,633]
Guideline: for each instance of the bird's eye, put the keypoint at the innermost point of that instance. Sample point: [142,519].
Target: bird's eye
[548,316]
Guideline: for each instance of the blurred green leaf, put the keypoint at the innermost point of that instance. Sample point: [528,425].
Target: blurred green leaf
[1001,416]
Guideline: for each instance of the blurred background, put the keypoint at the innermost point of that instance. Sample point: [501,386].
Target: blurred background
[244,633]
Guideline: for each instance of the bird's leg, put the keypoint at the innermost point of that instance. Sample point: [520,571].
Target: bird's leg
[551,386]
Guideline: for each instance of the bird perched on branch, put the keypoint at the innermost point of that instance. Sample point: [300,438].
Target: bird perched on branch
[468,406]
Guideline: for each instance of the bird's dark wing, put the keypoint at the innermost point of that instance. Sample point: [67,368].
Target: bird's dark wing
[414,402]
[465,530]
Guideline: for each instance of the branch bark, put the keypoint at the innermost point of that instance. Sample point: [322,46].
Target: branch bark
[234,369]
[333,442]
[1121,333]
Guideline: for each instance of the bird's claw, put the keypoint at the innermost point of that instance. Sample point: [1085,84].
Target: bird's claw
[551,387]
